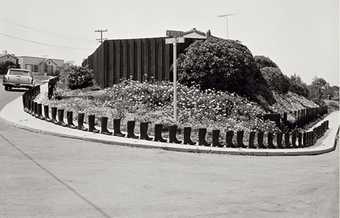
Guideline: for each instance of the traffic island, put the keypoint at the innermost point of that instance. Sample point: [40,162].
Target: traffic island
[317,140]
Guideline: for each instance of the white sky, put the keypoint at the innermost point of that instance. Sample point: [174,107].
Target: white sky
[301,36]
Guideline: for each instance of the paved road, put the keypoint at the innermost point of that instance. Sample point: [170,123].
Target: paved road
[46,176]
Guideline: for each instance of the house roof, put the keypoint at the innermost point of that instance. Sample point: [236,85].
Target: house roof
[194,30]
[48,59]
[40,58]
[7,55]
[193,33]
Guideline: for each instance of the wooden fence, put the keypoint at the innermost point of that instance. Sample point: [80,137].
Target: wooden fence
[138,59]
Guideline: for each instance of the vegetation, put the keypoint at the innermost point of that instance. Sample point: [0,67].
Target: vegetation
[79,77]
[224,65]
[297,86]
[275,79]
[6,65]
[263,61]
[132,100]
[222,86]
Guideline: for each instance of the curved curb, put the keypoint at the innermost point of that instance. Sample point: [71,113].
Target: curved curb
[114,140]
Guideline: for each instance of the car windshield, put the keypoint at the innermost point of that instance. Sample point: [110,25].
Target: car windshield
[19,72]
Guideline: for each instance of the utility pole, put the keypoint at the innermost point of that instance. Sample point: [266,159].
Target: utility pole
[101,31]
[226,16]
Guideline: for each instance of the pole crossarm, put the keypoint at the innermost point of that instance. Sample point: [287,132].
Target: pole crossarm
[101,31]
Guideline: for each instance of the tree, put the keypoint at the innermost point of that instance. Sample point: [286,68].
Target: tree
[6,65]
[333,92]
[225,65]
[319,88]
[298,86]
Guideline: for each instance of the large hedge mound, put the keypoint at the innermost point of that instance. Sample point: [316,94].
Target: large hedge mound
[275,79]
[263,61]
[225,65]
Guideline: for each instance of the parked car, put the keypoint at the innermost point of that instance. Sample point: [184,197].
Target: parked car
[18,78]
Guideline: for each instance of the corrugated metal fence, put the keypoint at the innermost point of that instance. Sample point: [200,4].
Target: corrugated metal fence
[139,59]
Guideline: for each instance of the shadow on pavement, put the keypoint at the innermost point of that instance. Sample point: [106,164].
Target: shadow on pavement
[17,90]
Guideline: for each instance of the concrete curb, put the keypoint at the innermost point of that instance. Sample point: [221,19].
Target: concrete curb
[16,121]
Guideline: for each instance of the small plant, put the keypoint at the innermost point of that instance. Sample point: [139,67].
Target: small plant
[79,77]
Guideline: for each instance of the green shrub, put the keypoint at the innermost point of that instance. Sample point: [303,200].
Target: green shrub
[263,61]
[275,79]
[223,65]
[79,77]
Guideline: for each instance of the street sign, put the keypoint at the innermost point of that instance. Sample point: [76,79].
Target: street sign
[174,33]
[174,40]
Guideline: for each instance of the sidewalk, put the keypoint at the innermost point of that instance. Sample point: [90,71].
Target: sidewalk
[14,113]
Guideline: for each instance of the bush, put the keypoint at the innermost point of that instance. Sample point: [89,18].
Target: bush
[223,65]
[6,65]
[79,77]
[262,61]
[275,79]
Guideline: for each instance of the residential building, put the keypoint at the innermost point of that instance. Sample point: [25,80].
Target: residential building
[4,57]
[39,65]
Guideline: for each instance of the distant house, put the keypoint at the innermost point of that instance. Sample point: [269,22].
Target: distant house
[4,57]
[40,65]
[193,34]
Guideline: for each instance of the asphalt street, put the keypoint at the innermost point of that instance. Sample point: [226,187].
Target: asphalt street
[48,176]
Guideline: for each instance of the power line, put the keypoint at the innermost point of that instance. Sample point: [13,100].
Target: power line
[40,43]
[42,30]
[101,31]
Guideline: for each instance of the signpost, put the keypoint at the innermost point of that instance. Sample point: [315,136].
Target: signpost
[174,42]
[174,33]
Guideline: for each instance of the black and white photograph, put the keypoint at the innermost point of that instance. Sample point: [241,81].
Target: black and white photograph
[181,109]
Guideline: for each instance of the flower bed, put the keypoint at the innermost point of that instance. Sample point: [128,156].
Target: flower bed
[152,102]
[295,139]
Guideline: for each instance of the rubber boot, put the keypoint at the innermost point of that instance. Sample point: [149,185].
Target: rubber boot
[92,124]
[116,128]
[144,131]
[201,137]
[216,138]
[158,133]
[81,118]
[187,139]
[103,125]
[131,129]
[172,134]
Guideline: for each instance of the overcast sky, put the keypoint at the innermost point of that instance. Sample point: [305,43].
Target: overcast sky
[301,36]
